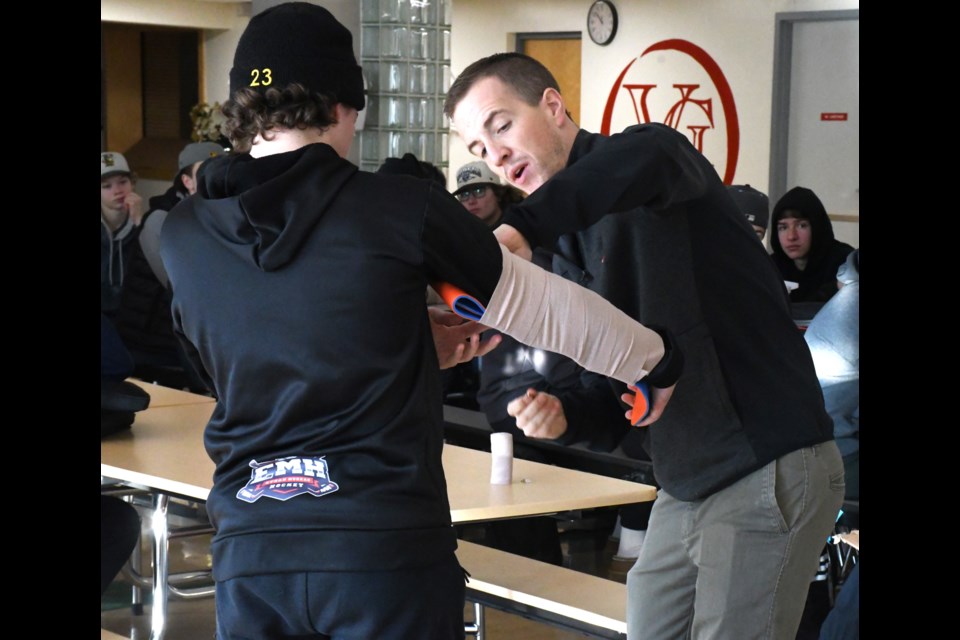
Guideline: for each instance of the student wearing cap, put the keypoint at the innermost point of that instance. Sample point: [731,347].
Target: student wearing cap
[143,318]
[754,205]
[298,280]
[121,210]
[804,247]
[460,375]
[481,193]
[184,184]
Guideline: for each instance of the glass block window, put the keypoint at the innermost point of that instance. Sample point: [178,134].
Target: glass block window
[405,54]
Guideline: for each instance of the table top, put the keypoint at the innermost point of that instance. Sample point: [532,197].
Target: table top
[161,396]
[536,488]
[164,452]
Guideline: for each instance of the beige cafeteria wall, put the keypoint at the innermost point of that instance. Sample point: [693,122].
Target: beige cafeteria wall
[737,34]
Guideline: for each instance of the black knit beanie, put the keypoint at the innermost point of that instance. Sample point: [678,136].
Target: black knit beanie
[298,42]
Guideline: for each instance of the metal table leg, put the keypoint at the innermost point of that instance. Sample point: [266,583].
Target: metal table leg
[476,628]
[160,567]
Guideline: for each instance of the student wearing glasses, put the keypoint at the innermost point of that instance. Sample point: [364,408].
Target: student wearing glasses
[481,193]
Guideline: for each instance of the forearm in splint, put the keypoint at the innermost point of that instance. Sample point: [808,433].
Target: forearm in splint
[542,310]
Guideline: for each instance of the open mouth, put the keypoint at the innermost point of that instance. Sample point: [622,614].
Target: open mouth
[516,174]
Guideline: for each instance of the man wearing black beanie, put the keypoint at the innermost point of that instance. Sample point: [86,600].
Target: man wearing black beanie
[298,281]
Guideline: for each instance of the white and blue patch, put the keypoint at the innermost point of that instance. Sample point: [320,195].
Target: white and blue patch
[287,478]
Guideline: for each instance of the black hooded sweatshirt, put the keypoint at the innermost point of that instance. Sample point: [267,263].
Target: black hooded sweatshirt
[659,236]
[818,280]
[300,280]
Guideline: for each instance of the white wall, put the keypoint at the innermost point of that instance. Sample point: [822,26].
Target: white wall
[218,48]
[175,13]
[738,34]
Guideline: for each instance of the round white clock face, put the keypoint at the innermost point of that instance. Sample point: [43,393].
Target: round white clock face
[602,22]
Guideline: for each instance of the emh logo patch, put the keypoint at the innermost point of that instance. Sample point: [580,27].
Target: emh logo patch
[287,478]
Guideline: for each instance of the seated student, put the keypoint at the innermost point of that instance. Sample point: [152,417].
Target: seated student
[527,391]
[121,210]
[460,376]
[804,248]
[524,388]
[143,318]
[184,184]
[481,193]
[754,205]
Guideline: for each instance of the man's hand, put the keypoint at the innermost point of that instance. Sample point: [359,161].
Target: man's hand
[514,241]
[133,203]
[539,415]
[458,340]
[658,402]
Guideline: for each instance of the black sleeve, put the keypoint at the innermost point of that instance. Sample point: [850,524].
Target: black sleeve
[192,356]
[458,248]
[593,413]
[649,166]
[505,374]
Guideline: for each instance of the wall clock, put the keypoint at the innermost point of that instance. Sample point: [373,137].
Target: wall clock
[602,22]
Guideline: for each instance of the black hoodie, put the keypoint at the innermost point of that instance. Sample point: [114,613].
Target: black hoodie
[143,319]
[300,280]
[818,280]
[659,236]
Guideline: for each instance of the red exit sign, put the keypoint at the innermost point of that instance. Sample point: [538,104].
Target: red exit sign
[834,117]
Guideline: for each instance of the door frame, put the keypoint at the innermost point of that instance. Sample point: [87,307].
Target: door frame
[522,38]
[780,113]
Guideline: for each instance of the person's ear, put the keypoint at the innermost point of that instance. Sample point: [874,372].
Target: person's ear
[552,102]
[346,113]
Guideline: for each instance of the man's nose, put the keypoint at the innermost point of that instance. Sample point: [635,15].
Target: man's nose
[498,154]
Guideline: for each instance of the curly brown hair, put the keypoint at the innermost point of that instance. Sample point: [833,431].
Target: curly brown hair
[250,113]
[506,195]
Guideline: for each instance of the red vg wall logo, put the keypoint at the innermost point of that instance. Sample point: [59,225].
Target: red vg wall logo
[684,88]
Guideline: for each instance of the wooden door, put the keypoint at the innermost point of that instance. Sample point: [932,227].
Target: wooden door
[560,53]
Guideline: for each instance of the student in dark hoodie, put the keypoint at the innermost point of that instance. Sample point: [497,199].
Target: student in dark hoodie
[299,281]
[143,318]
[184,185]
[804,248]
[121,210]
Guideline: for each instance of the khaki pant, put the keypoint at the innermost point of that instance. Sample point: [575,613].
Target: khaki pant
[737,565]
